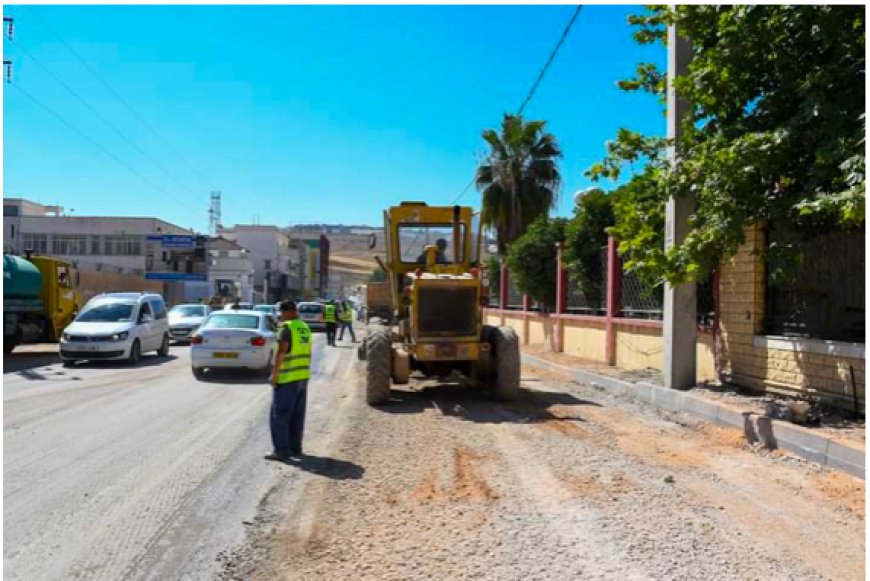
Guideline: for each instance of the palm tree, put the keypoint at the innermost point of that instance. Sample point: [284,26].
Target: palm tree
[519,180]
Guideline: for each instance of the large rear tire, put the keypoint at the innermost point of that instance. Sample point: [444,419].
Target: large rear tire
[378,365]
[505,379]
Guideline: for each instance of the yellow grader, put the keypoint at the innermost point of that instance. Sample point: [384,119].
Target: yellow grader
[428,315]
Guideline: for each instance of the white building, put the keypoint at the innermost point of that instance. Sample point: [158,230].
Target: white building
[231,270]
[112,243]
[276,259]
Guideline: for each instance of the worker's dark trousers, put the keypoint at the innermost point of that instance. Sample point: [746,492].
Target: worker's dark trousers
[287,417]
[349,326]
[330,333]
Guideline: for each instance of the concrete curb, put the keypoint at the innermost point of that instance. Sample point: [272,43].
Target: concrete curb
[758,428]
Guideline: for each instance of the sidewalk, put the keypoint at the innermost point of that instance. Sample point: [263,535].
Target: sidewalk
[837,447]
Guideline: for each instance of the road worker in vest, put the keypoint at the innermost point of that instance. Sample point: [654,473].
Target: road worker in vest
[289,380]
[330,318]
[346,320]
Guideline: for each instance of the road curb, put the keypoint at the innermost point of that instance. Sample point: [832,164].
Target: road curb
[799,440]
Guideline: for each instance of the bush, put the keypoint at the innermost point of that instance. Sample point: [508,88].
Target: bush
[531,259]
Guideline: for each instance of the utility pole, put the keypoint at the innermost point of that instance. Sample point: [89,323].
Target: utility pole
[680,308]
[7,64]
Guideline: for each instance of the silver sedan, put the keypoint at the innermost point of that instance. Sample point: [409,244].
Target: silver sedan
[234,339]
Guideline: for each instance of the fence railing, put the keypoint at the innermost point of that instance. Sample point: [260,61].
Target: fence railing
[633,296]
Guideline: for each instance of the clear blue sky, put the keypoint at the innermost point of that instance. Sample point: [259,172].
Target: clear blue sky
[304,114]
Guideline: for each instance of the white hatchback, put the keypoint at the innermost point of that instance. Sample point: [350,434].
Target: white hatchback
[234,339]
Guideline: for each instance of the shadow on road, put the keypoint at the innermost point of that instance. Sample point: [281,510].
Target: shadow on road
[146,361]
[234,376]
[23,362]
[329,467]
[459,400]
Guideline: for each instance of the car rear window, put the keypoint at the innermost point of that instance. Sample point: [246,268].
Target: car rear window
[308,309]
[231,321]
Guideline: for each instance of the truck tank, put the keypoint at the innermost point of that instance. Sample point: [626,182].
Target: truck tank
[21,279]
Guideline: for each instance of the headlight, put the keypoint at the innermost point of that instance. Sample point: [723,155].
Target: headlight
[120,336]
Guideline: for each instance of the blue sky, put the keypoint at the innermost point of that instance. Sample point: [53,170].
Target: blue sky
[304,114]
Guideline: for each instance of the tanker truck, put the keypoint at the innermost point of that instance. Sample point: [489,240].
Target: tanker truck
[40,298]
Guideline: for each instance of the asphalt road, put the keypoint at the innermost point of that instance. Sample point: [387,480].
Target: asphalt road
[114,471]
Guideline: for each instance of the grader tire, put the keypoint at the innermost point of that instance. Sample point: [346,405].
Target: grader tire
[378,366]
[505,380]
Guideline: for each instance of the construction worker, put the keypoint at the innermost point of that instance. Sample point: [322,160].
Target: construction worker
[329,317]
[290,375]
[346,320]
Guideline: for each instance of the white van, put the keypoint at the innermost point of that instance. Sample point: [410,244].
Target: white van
[117,326]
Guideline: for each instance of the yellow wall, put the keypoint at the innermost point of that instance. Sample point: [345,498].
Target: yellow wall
[541,330]
[584,340]
[638,348]
[742,311]
[516,322]
[705,357]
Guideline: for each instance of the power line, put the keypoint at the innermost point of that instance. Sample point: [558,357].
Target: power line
[463,192]
[549,60]
[123,101]
[96,144]
[101,117]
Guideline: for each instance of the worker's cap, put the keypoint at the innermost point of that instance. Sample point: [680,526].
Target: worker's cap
[288,307]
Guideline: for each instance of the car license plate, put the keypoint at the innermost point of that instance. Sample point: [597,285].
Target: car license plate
[91,348]
[225,355]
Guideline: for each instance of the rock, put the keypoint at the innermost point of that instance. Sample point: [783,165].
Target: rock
[669,479]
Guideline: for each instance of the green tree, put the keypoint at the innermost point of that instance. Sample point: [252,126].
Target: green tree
[531,259]
[776,131]
[378,275]
[519,180]
[585,235]
[493,273]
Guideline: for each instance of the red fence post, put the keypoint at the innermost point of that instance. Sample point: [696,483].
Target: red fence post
[614,284]
[561,298]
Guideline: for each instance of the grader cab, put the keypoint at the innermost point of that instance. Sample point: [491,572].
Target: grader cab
[434,325]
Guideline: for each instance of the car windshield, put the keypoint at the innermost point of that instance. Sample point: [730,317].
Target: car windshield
[413,239]
[310,309]
[229,321]
[107,313]
[187,311]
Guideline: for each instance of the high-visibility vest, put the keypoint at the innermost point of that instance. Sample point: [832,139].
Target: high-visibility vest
[329,314]
[347,313]
[296,364]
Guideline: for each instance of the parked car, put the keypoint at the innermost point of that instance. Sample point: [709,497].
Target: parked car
[312,314]
[268,309]
[185,319]
[239,339]
[117,326]
[239,307]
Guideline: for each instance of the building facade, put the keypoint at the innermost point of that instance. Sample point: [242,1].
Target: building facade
[231,270]
[275,257]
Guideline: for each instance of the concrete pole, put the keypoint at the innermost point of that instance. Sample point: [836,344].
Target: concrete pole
[680,316]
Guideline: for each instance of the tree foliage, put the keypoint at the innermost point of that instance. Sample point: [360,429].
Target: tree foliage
[519,179]
[531,259]
[585,235]
[775,132]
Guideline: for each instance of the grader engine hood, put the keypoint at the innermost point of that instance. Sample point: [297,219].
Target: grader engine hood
[446,307]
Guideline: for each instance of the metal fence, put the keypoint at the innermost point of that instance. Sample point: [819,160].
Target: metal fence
[514,296]
[821,297]
[589,297]
[639,299]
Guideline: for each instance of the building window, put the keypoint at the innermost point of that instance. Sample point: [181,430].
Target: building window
[123,245]
[268,264]
[36,242]
[10,211]
[68,244]
[12,230]
[821,295]
[96,250]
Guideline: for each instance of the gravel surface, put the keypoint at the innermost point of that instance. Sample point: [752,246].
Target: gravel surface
[565,483]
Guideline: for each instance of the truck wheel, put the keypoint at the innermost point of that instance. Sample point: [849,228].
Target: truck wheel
[135,352]
[505,348]
[198,372]
[378,365]
[164,347]
[401,366]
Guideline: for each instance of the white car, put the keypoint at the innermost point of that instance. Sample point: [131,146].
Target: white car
[312,314]
[239,307]
[185,319]
[117,326]
[234,339]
